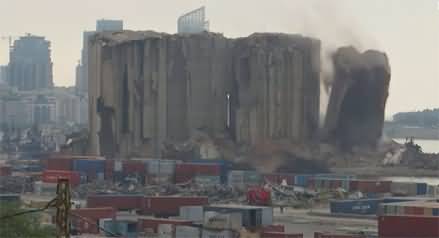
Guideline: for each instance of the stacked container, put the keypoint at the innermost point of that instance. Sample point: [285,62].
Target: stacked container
[201,173]
[358,207]
[252,216]
[52,176]
[244,178]
[160,171]
[408,189]
[91,169]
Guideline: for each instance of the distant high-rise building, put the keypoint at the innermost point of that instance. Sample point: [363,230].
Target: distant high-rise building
[30,64]
[109,25]
[193,22]
[3,73]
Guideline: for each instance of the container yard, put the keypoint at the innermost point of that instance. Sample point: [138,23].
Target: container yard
[172,198]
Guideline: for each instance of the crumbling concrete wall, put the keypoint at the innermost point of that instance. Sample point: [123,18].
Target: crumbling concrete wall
[356,108]
[148,88]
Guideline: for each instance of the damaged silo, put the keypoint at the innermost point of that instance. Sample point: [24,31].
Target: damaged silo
[148,88]
[355,114]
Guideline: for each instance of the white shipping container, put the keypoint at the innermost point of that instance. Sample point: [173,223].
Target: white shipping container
[187,232]
[267,216]
[229,221]
[161,167]
[118,166]
[217,234]
[192,213]
[403,188]
[165,230]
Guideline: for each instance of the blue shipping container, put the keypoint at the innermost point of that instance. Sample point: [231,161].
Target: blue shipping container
[435,211]
[122,228]
[89,166]
[421,188]
[302,180]
[358,207]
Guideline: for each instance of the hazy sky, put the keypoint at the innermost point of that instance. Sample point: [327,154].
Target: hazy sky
[408,30]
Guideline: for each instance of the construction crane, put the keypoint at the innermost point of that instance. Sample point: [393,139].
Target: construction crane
[10,39]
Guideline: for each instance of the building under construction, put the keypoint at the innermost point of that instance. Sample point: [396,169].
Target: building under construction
[149,88]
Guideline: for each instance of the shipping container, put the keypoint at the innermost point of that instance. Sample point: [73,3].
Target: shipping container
[160,167]
[9,197]
[123,228]
[170,206]
[421,189]
[328,184]
[408,227]
[218,234]
[222,221]
[274,228]
[370,186]
[59,164]
[109,169]
[359,206]
[302,179]
[404,188]
[207,181]
[89,167]
[192,213]
[187,232]
[134,167]
[252,216]
[5,170]
[433,190]
[417,208]
[225,165]
[244,178]
[280,235]
[119,202]
[52,176]
[86,220]
[184,172]
[151,225]
[330,235]
[156,179]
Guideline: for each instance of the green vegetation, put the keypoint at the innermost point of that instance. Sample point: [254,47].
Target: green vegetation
[428,118]
[23,226]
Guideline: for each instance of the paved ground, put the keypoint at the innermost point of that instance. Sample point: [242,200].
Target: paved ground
[300,221]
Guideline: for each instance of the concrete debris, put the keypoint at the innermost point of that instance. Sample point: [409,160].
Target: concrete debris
[355,113]
[147,89]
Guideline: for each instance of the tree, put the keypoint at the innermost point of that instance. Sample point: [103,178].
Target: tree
[22,226]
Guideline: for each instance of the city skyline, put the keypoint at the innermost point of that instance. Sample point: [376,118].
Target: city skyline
[406,32]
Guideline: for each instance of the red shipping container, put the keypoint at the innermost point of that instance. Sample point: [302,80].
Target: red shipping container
[118,202]
[170,206]
[5,170]
[89,221]
[325,235]
[152,224]
[274,228]
[408,210]
[370,186]
[187,171]
[59,164]
[133,167]
[52,176]
[280,235]
[408,227]
[109,169]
